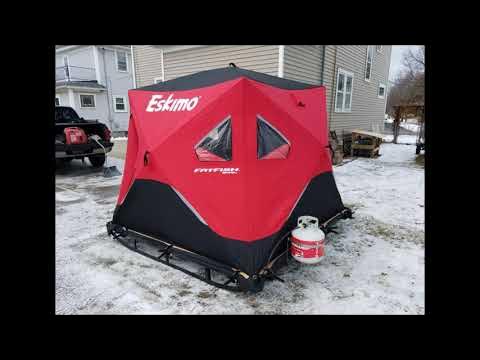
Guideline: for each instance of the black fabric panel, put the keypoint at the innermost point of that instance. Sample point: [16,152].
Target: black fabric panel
[154,209]
[216,76]
[267,139]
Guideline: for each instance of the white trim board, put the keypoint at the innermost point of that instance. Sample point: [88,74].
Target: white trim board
[173,48]
[281,60]
[80,88]
[133,68]
[163,65]
[97,65]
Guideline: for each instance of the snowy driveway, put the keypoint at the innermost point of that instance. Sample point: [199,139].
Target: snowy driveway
[375,265]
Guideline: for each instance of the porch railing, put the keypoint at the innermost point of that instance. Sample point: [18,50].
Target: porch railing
[74,73]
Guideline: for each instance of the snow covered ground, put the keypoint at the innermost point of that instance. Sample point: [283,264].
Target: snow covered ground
[402,139]
[375,265]
[410,126]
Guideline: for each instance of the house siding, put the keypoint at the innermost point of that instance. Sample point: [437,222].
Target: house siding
[63,98]
[148,64]
[368,110]
[262,58]
[303,63]
[82,62]
[99,112]
[328,77]
[117,83]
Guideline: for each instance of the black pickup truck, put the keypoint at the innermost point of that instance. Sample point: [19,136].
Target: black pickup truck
[93,142]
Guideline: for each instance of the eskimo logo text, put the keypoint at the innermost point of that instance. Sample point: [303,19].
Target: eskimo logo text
[158,103]
[223,171]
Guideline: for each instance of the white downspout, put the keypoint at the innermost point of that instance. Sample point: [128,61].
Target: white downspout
[163,67]
[97,65]
[107,85]
[133,68]
[281,56]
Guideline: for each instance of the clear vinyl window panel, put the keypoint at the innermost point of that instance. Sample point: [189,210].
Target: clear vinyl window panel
[271,144]
[217,144]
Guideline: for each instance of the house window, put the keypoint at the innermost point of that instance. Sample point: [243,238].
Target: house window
[271,144]
[368,66]
[122,65]
[217,144]
[87,101]
[381,91]
[157,80]
[343,98]
[119,104]
[379,48]
[57,101]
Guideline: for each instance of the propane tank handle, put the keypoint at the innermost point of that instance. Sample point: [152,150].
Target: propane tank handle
[306,220]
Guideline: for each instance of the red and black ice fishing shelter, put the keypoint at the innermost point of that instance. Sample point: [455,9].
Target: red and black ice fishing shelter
[224,161]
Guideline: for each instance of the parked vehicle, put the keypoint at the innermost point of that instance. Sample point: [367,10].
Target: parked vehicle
[77,138]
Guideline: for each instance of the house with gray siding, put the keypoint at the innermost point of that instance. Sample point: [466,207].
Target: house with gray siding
[355,76]
[94,80]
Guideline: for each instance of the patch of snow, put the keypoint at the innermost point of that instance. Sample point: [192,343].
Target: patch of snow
[410,126]
[402,139]
[375,265]
[121,138]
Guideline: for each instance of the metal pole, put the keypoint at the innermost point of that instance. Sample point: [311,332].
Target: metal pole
[107,83]
[323,64]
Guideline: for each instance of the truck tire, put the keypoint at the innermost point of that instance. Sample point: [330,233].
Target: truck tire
[97,160]
[417,151]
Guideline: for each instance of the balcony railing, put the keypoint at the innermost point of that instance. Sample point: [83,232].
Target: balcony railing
[74,73]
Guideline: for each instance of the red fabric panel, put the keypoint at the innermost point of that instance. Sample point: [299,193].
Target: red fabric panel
[129,167]
[245,198]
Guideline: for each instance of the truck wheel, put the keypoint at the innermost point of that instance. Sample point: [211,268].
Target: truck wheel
[97,160]
[417,151]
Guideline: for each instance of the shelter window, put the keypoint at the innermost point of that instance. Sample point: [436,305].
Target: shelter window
[343,98]
[271,144]
[217,144]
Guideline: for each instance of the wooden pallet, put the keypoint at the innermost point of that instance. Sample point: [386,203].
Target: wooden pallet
[371,150]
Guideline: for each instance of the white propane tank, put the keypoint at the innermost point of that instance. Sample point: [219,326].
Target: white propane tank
[307,241]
